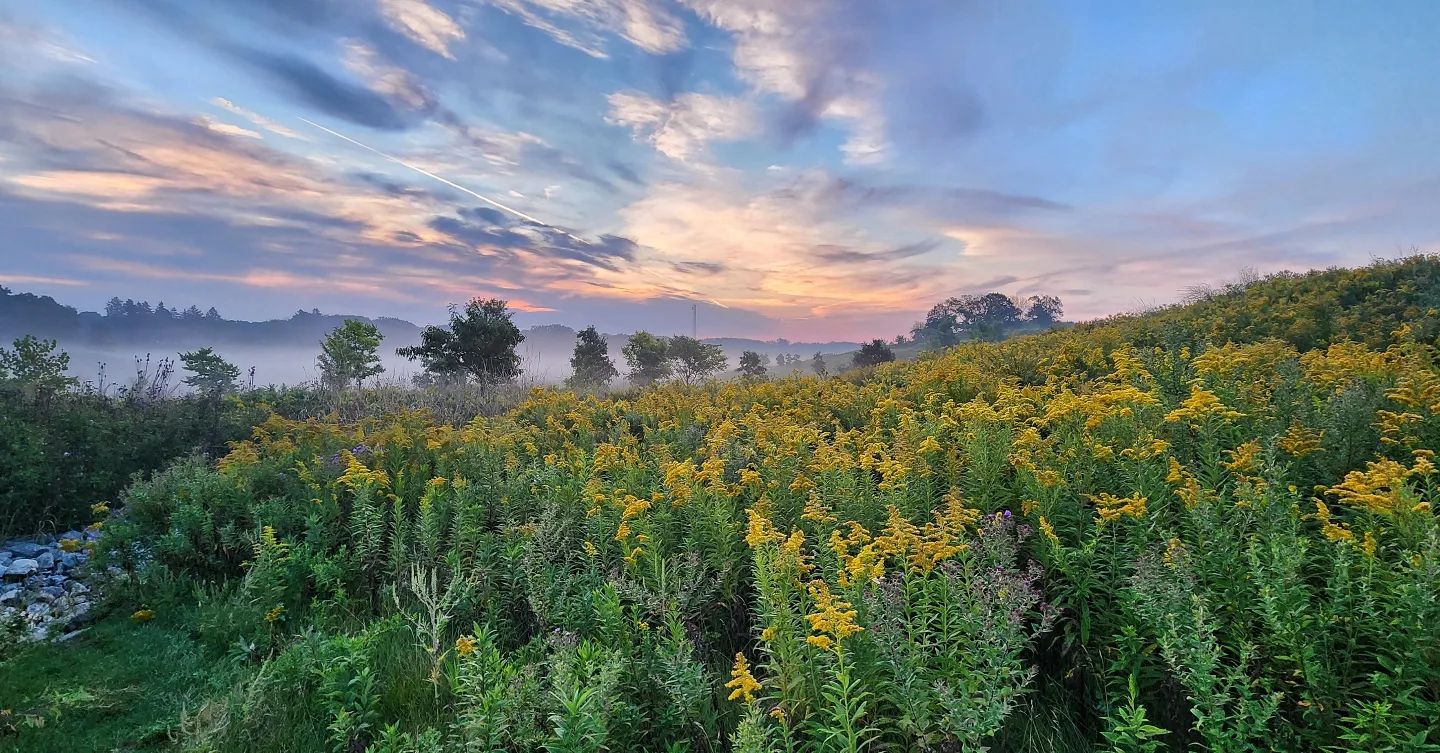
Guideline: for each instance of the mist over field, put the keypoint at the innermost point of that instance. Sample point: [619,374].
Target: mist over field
[544,355]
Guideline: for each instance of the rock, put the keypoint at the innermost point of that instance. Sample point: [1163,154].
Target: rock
[53,592]
[46,560]
[21,568]
[55,580]
[5,558]
[70,635]
[10,597]
[76,535]
[37,610]
[76,587]
[72,559]
[23,548]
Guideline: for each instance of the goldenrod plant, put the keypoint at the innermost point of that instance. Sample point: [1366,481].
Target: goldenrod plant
[1206,528]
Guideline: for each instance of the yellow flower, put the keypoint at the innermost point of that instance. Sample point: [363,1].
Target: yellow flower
[742,684]
[1330,529]
[833,617]
[1200,406]
[1243,458]
[274,614]
[816,510]
[464,645]
[1111,508]
[69,545]
[1300,441]
[1378,488]
[1048,531]
[143,615]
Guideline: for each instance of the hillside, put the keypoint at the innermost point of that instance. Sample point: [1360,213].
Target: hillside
[1208,527]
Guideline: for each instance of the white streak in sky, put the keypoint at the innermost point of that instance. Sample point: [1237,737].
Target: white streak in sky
[447,182]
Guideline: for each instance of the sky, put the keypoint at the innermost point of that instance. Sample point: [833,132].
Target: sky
[808,169]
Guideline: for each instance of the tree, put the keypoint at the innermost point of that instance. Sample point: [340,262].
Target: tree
[695,360]
[480,344]
[817,364]
[872,353]
[980,317]
[36,366]
[115,307]
[210,375]
[752,364]
[591,361]
[212,315]
[350,354]
[648,357]
[192,314]
[1043,309]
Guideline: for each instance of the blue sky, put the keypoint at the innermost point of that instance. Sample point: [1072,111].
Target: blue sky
[811,169]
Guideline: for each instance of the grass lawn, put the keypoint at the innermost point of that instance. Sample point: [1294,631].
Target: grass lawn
[119,686]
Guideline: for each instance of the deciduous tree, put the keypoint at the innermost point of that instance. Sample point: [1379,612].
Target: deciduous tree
[648,357]
[350,353]
[591,361]
[480,343]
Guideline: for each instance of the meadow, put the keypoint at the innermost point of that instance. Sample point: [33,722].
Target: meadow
[1208,527]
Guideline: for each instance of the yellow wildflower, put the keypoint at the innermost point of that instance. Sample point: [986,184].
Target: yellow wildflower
[464,645]
[1201,406]
[742,684]
[1111,508]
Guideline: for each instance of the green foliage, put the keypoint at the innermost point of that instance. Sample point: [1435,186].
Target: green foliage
[873,353]
[350,353]
[695,360]
[752,364]
[591,362]
[649,358]
[35,367]
[1060,542]
[479,344]
[210,375]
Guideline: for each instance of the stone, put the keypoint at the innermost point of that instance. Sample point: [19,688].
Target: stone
[70,635]
[23,548]
[53,592]
[37,610]
[21,568]
[76,587]
[5,557]
[10,597]
[76,535]
[72,559]
[46,560]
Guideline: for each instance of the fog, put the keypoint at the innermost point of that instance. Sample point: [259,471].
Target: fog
[544,362]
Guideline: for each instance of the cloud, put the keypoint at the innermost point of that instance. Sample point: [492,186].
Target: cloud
[643,23]
[800,259]
[681,128]
[255,118]
[423,24]
[811,54]
[310,84]
[492,232]
[396,84]
[225,128]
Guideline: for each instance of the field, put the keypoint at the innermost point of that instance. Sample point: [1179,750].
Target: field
[1207,528]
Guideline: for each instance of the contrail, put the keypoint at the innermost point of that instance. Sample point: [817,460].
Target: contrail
[447,182]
